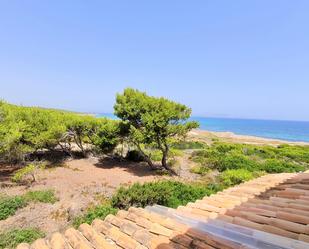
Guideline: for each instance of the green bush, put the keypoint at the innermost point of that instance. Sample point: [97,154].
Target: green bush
[234,160]
[279,166]
[20,174]
[186,145]
[198,169]
[233,177]
[100,211]
[45,196]
[9,205]
[224,156]
[10,239]
[296,153]
[166,193]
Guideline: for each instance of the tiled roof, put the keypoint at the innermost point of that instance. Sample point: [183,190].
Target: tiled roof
[268,212]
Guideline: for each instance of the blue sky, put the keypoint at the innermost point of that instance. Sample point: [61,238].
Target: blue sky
[247,59]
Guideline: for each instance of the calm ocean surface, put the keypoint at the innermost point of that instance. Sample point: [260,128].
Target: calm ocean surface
[286,130]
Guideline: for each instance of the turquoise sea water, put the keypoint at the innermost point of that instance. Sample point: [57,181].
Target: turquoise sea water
[277,129]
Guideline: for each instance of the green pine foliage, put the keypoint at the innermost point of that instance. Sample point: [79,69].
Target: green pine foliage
[24,130]
[152,122]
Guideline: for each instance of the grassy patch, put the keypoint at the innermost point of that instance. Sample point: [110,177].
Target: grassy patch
[10,204]
[100,211]
[10,239]
[46,196]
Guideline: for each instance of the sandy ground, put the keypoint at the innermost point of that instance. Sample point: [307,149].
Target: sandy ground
[207,136]
[78,185]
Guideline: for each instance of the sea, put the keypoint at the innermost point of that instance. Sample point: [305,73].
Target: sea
[297,131]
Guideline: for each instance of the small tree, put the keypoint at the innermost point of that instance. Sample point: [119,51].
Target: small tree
[152,121]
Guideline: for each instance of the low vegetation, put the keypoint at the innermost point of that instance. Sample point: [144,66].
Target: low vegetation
[10,204]
[233,177]
[45,196]
[226,156]
[188,145]
[166,193]
[10,239]
[100,211]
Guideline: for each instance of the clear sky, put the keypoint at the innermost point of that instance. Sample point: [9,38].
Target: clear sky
[247,59]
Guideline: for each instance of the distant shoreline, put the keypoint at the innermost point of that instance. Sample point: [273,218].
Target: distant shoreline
[233,137]
[219,128]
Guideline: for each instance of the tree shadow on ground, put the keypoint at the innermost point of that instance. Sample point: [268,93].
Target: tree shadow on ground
[6,172]
[136,168]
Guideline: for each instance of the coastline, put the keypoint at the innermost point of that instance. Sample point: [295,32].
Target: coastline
[209,136]
[228,136]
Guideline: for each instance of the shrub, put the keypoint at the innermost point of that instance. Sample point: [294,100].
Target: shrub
[19,175]
[296,153]
[9,205]
[166,193]
[279,166]
[198,169]
[27,173]
[186,145]
[46,196]
[234,160]
[224,156]
[100,211]
[10,239]
[233,177]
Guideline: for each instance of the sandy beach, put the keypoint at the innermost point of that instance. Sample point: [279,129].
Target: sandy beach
[210,136]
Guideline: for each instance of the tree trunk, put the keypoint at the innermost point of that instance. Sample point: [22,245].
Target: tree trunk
[149,162]
[164,163]
[65,149]
[164,159]
[79,143]
[145,157]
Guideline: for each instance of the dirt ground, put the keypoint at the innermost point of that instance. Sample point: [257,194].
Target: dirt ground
[78,184]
